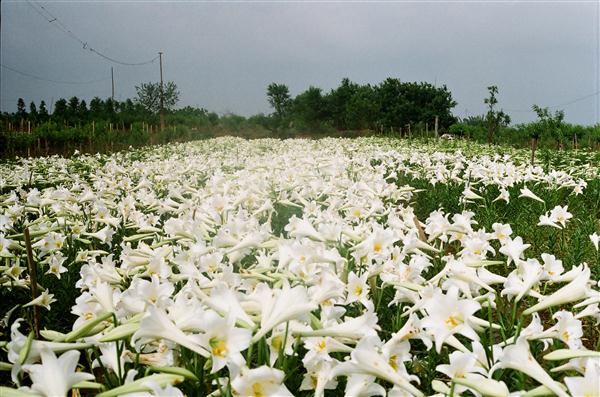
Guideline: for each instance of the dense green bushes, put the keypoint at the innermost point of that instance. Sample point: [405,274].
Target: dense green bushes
[392,108]
[567,136]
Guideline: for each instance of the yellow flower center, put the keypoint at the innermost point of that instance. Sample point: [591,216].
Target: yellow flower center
[257,390]
[219,348]
[358,290]
[377,247]
[393,363]
[453,321]
[276,342]
[321,345]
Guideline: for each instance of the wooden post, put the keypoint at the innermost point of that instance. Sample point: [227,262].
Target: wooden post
[426,129]
[409,133]
[110,127]
[32,281]
[436,126]
[28,127]
[93,127]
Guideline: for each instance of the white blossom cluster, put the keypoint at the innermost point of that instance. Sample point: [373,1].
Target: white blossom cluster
[245,255]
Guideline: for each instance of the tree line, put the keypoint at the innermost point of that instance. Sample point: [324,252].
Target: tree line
[392,107]
[549,130]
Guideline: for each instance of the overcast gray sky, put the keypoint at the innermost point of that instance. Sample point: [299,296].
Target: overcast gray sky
[222,55]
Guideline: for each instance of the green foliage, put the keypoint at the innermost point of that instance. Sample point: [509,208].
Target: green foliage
[309,109]
[495,119]
[279,98]
[43,115]
[149,94]
[390,105]
[21,112]
[548,123]
[60,111]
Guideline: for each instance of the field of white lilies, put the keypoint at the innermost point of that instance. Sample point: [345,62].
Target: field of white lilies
[332,267]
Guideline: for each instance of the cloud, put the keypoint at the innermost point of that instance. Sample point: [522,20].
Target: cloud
[223,55]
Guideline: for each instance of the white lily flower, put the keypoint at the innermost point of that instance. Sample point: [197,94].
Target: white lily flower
[56,376]
[156,325]
[448,315]
[519,358]
[225,342]
[514,248]
[367,359]
[301,227]
[595,238]
[45,299]
[283,305]
[260,382]
[525,192]
[572,292]
[588,385]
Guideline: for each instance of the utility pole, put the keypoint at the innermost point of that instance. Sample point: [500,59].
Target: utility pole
[162,96]
[112,78]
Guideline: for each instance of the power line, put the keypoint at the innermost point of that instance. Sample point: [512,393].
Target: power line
[57,23]
[559,105]
[50,80]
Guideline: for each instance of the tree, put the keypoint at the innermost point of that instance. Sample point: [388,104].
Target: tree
[109,112]
[82,111]
[33,113]
[60,110]
[148,95]
[279,98]
[338,102]
[407,103]
[495,119]
[21,111]
[43,112]
[96,108]
[72,110]
[547,123]
[362,109]
[309,108]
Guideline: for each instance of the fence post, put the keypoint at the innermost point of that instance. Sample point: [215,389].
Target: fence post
[436,126]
